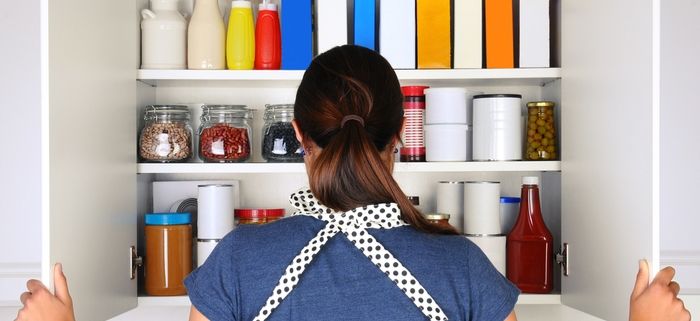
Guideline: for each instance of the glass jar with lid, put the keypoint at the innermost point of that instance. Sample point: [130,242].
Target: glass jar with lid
[541,132]
[225,133]
[166,135]
[279,143]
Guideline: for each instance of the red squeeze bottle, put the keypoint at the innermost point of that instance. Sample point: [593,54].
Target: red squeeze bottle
[529,244]
[268,45]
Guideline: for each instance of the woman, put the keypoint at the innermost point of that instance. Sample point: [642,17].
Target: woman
[355,249]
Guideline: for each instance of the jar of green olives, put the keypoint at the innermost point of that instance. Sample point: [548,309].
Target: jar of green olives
[541,132]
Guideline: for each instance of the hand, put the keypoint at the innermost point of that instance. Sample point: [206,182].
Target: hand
[659,300]
[40,305]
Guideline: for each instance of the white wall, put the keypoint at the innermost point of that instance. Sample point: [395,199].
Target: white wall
[20,161]
[680,133]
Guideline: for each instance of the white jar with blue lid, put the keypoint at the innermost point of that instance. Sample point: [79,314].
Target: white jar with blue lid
[510,206]
[168,257]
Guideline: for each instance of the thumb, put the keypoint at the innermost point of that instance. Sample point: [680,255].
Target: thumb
[60,284]
[642,279]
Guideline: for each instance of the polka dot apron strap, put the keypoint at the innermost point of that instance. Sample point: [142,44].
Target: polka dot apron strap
[353,225]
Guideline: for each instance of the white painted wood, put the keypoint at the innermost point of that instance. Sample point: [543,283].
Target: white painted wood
[607,163]
[680,219]
[91,180]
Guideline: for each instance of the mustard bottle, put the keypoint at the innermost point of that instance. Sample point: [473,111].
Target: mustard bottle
[240,38]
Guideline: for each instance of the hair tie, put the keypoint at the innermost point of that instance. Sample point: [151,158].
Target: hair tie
[352,117]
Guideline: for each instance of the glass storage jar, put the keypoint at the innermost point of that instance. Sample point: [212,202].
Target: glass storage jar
[541,132]
[166,135]
[245,216]
[279,143]
[439,219]
[225,133]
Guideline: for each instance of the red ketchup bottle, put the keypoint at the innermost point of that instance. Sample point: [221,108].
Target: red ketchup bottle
[268,45]
[529,244]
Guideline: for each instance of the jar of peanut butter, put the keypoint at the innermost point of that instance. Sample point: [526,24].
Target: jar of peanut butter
[168,257]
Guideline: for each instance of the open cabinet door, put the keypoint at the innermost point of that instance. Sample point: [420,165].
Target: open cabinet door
[607,165]
[91,216]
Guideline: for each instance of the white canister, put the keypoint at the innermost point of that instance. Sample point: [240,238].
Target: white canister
[204,249]
[449,105]
[163,36]
[447,143]
[481,208]
[494,246]
[214,211]
[450,200]
[509,208]
[498,128]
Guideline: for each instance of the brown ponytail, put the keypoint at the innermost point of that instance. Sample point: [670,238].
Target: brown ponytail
[349,171]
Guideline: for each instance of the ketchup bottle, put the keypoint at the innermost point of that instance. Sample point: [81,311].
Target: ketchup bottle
[268,50]
[529,244]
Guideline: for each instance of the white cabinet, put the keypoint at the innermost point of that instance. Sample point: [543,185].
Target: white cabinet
[606,185]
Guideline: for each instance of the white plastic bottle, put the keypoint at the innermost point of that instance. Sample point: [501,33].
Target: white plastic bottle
[163,36]
[206,37]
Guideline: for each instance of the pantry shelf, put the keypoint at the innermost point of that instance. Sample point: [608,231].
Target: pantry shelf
[217,168]
[441,77]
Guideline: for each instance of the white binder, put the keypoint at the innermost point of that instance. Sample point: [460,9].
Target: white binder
[534,33]
[397,33]
[468,37]
[331,24]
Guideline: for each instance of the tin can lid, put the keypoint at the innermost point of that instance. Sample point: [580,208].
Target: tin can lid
[413,90]
[168,218]
[498,96]
[436,216]
[250,213]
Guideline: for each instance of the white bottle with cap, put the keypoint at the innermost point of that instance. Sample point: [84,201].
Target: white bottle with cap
[206,37]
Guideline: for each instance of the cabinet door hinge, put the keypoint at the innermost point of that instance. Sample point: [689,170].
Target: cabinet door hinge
[562,258]
[134,262]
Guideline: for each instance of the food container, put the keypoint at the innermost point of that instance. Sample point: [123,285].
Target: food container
[279,142]
[448,105]
[481,208]
[450,200]
[541,132]
[494,246]
[509,208]
[204,249]
[214,209]
[439,219]
[413,136]
[497,128]
[168,258]
[447,143]
[166,135]
[225,133]
[258,215]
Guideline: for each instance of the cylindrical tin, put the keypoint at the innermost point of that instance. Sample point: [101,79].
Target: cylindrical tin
[204,249]
[498,133]
[494,246]
[510,206]
[450,200]
[481,208]
[214,211]
[447,143]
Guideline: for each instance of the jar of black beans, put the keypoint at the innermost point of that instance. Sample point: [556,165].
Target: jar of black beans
[279,143]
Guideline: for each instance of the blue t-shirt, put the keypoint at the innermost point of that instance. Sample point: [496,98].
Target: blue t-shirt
[341,283]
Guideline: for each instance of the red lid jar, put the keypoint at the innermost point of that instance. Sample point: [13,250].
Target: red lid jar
[257,215]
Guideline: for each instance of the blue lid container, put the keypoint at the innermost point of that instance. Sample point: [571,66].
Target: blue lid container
[168,218]
[510,200]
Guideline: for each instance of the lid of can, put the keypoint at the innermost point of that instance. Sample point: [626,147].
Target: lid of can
[436,216]
[413,90]
[168,218]
[498,96]
[541,104]
[258,212]
[510,200]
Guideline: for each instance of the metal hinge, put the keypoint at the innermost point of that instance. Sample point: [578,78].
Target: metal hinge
[562,258]
[135,262]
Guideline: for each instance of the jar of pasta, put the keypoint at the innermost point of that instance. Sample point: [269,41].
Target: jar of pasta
[541,132]
[225,133]
[166,135]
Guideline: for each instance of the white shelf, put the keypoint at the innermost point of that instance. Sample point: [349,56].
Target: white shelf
[514,76]
[446,167]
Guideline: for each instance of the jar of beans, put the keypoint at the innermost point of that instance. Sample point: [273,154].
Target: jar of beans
[541,132]
[280,144]
[224,135]
[166,135]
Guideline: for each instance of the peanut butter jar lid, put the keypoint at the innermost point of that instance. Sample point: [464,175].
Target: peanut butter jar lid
[168,218]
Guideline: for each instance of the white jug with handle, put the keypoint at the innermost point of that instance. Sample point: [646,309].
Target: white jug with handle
[163,36]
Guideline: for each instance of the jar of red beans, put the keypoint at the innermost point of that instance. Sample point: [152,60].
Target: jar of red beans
[224,135]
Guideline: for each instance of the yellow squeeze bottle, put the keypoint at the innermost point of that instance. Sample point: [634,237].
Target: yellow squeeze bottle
[240,37]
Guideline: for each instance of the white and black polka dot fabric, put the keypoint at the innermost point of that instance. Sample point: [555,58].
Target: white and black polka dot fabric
[353,225]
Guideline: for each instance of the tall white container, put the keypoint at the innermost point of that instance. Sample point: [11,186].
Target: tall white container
[498,127]
[494,246]
[450,200]
[214,211]
[481,208]
[206,37]
[163,36]
[447,143]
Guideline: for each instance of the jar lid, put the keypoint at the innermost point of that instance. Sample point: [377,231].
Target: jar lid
[413,90]
[161,111]
[498,96]
[283,112]
[436,216]
[250,213]
[541,104]
[240,111]
[510,200]
[168,218]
